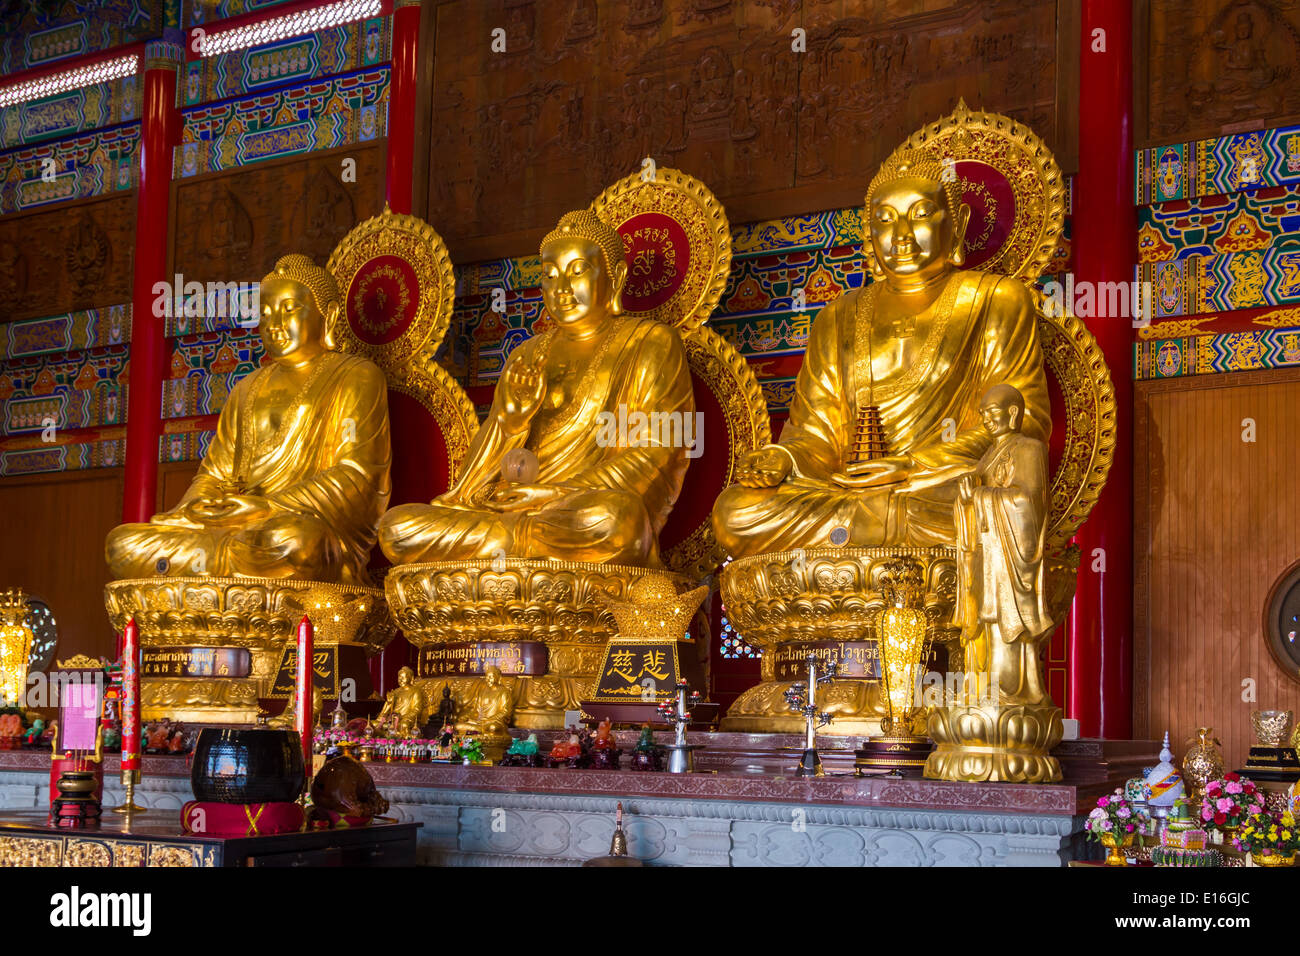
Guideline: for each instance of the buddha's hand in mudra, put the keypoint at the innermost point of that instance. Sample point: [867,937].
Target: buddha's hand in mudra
[238,508]
[517,496]
[892,470]
[522,388]
[764,468]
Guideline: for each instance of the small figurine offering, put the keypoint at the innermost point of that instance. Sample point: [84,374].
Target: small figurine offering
[33,735]
[523,752]
[648,755]
[604,749]
[568,753]
[11,730]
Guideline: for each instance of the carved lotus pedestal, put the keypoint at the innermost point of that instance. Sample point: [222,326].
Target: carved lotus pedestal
[1007,743]
[543,624]
[212,646]
[826,602]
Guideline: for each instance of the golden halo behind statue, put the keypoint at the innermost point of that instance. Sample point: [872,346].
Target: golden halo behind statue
[678,245]
[395,276]
[1075,359]
[1002,167]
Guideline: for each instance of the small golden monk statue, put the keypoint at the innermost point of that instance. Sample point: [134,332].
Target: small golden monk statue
[296,476]
[406,707]
[911,352]
[285,719]
[1001,517]
[488,711]
[590,499]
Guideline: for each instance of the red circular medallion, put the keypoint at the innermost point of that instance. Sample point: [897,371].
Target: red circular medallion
[992,205]
[658,256]
[383,299]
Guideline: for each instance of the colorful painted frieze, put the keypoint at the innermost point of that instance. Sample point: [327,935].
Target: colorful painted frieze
[41,32]
[1226,164]
[319,115]
[205,367]
[209,11]
[46,393]
[78,168]
[1213,225]
[1238,280]
[86,329]
[341,49]
[1227,352]
[76,111]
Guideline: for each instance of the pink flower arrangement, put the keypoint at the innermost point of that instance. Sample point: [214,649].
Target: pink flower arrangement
[1229,801]
[1114,816]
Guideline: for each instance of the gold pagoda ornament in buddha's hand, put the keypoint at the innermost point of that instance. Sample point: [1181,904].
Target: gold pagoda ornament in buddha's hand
[578,495]
[297,474]
[884,420]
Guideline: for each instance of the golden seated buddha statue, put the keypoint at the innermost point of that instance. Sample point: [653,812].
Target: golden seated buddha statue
[591,499]
[280,519]
[552,507]
[899,443]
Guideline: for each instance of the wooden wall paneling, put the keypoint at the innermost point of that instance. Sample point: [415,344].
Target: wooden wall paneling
[231,226]
[1215,524]
[1213,67]
[55,527]
[582,94]
[71,256]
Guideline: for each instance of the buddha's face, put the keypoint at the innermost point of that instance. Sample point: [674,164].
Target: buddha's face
[292,327]
[404,677]
[913,232]
[491,675]
[577,284]
[1000,417]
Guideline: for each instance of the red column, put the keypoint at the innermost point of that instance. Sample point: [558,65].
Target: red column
[1105,250]
[148,333]
[401,106]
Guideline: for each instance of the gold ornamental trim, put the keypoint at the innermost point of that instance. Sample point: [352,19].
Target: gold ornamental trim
[417,243]
[1016,153]
[1088,392]
[559,603]
[693,206]
[256,613]
[749,427]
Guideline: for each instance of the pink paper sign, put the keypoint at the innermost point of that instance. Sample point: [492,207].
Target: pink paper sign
[79,715]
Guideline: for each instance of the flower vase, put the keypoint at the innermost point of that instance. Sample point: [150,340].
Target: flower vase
[1273,859]
[1114,845]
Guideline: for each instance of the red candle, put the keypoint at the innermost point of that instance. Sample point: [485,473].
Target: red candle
[131,696]
[302,713]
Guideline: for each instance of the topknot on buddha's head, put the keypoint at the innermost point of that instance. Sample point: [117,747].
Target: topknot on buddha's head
[300,268]
[585,224]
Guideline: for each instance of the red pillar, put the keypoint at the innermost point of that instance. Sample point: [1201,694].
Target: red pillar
[148,332]
[1105,250]
[401,105]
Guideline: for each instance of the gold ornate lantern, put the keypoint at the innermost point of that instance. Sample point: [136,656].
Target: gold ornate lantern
[901,633]
[15,647]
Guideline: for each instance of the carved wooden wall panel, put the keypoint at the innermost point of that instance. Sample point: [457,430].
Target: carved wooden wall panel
[232,226]
[75,256]
[1217,66]
[586,88]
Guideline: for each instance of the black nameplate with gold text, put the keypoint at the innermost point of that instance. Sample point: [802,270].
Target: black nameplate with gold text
[325,672]
[860,659]
[523,658]
[195,662]
[638,671]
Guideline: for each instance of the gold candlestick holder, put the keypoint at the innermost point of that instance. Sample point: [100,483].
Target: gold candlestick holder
[129,807]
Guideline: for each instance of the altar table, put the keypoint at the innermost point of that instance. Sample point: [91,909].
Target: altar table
[156,839]
[745,808]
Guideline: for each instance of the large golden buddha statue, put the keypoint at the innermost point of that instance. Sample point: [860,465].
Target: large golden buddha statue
[591,498]
[913,351]
[296,476]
